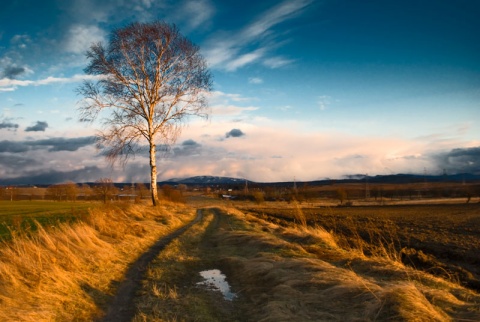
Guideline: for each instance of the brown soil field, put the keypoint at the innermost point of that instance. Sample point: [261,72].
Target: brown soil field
[442,239]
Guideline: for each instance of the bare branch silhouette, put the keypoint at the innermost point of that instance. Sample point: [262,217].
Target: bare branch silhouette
[152,79]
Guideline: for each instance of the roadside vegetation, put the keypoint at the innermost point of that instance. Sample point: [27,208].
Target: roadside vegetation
[284,260]
[70,271]
[292,272]
[24,217]
[316,278]
[441,239]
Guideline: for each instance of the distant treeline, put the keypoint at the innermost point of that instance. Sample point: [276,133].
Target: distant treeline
[345,192]
[105,190]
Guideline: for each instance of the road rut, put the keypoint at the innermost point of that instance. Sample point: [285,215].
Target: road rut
[121,307]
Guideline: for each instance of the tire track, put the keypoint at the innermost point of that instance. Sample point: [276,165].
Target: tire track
[121,307]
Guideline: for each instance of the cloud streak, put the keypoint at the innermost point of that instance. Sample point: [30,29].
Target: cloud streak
[460,160]
[80,37]
[234,133]
[324,102]
[267,153]
[49,160]
[12,72]
[6,124]
[252,44]
[85,174]
[7,84]
[187,148]
[255,80]
[227,105]
[38,127]
[195,13]
[51,144]
[281,150]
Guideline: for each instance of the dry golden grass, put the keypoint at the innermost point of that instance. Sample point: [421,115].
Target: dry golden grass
[281,272]
[302,274]
[68,273]
[441,239]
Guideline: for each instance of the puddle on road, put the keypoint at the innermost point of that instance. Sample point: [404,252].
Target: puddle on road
[214,279]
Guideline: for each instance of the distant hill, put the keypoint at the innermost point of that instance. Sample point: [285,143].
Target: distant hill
[206,180]
[394,179]
[229,181]
[414,178]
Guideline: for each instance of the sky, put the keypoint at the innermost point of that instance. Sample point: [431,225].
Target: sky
[303,89]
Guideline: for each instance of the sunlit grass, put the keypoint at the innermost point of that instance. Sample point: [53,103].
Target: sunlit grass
[8,208]
[323,278]
[70,271]
[17,217]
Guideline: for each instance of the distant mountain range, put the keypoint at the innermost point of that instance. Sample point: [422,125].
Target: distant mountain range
[359,178]
[394,178]
[206,180]
[414,178]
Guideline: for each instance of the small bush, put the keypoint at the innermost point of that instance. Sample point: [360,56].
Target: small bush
[259,197]
[171,194]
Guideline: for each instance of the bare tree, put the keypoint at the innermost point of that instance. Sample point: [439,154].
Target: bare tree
[104,189]
[151,78]
[85,191]
[55,192]
[341,195]
[71,191]
[141,190]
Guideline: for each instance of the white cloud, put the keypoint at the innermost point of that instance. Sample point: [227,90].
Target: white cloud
[12,83]
[218,97]
[272,150]
[7,89]
[300,149]
[197,12]
[231,51]
[277,62]
[80,37]
[11,69]
[86,12]
[323,102]
[21,41]
[285,108]
[147,3]
[274,16]
[255,80]
[217,52]
[245,59]
[224,106]
[7,84]
[305,155]
[231,110]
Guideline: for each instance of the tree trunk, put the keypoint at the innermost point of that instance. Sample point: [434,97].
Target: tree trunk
[153,174]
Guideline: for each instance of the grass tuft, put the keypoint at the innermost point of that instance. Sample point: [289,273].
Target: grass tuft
[68,272]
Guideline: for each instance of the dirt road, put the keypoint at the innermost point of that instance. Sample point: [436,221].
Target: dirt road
[122,307]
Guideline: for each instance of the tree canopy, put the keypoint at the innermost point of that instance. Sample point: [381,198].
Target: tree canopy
[150,78]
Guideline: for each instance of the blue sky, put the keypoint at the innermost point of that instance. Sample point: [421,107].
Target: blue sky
[302,88]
